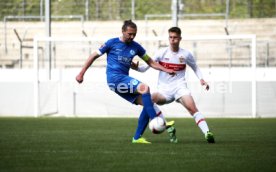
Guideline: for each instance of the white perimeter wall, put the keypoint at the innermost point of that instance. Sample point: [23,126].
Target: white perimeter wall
[92,98]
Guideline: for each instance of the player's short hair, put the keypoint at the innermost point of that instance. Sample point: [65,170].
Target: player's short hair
[175,30]
[128,23]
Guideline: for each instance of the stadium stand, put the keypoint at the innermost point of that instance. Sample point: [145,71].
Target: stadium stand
[265,29]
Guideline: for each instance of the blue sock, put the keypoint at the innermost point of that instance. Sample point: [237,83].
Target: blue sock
[148,105]
[142,124]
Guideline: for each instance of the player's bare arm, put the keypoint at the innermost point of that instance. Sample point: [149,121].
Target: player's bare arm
[88,63]
[139,68]
[157,66]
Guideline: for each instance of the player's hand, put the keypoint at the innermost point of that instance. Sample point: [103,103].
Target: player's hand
[171,72]
[79,78]
[204,83]
[134,65]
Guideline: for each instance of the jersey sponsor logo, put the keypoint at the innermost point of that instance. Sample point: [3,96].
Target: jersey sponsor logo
[124,60]
[167,59]
[175,67]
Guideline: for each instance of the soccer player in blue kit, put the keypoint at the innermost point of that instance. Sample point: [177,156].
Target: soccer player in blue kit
[120,52]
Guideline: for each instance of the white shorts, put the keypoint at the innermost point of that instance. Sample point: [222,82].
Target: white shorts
[174,93]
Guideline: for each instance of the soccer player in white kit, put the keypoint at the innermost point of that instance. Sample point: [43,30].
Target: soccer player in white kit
[175,88]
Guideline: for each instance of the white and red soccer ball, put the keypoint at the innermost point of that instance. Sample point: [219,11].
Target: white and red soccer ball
[157,125]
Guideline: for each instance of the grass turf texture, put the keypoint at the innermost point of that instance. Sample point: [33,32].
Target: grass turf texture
[79,144]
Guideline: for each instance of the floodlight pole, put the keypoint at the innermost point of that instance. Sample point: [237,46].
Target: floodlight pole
[48,33]
[175,9]
[226,13]
[133,9]
[41,10]
[87,4]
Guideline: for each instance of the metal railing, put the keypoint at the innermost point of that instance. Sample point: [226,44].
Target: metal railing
[7,18]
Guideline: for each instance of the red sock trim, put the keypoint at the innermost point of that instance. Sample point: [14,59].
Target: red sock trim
[159,113]
[200,121]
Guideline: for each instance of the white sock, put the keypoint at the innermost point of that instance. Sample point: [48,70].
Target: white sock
[201,123]
[158,112]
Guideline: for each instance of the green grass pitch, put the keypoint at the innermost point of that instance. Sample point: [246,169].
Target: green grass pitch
[103,144]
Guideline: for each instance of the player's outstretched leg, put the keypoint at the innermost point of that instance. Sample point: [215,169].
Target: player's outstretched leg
[169,125]
[148,105]
[202,124]
[142,124]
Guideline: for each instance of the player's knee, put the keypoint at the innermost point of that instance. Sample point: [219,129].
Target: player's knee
[156,98]
[143,88]
[192,110]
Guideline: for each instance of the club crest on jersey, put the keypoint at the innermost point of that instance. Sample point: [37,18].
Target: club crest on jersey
[132,52]
[181,59]
[134,82]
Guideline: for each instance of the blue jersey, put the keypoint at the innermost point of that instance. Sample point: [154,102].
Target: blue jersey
[119,58]
[120,55]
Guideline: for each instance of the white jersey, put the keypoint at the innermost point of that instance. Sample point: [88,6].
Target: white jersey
[176,61]
[174,87]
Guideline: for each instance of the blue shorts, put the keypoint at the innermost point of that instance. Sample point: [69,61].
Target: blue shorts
[125,86]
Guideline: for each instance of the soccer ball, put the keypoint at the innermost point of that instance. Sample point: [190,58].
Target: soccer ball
[157,125]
